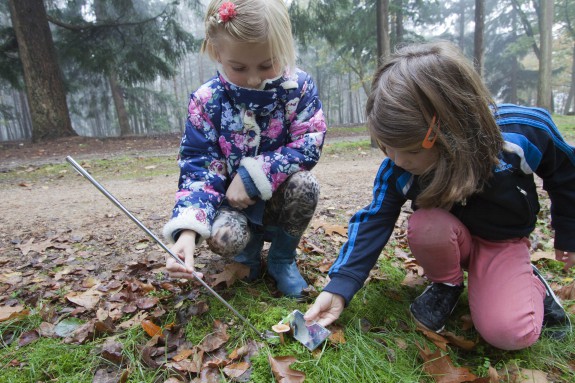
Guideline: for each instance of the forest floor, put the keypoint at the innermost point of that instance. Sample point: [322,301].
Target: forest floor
[47,207]
[68,252]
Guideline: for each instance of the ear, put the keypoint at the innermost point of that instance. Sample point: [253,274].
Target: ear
[212,51]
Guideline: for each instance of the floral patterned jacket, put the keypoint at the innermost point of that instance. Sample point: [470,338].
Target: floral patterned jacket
[269,134]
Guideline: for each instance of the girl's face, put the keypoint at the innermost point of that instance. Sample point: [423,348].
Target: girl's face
[416,161]
[246,65]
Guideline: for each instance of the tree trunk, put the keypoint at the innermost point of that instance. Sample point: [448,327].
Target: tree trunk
[461,23]
[398,21]
[478,37]
[118,97]
[44,85]
[571,96]
[544,93]
[350,98]
[383,45]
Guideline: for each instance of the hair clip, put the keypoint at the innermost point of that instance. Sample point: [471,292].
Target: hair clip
[226,12]
[429,140]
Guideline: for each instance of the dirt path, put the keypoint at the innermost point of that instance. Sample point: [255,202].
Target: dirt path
[73,211]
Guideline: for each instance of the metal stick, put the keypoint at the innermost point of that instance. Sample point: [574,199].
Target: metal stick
[86,175]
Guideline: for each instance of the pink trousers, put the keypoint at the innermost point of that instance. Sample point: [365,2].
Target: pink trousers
[505,297]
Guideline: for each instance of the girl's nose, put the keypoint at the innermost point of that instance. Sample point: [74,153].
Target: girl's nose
[254,81]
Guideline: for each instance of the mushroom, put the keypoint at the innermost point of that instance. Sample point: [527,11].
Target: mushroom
[280,328]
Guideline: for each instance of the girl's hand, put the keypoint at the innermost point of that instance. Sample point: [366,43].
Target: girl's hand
[326,308]
[184,249]
[237,196]
[567,257]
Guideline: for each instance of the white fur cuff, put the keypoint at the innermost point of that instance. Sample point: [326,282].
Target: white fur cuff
[254,167]
[185,221]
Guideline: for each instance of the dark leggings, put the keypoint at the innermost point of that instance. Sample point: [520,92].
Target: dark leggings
[291,208]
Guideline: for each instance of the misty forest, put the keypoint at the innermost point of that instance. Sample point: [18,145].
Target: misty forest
[104,68]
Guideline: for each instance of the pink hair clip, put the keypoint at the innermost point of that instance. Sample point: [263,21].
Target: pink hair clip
[227,12]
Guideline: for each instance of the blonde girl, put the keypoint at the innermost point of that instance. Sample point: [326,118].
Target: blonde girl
[254,131]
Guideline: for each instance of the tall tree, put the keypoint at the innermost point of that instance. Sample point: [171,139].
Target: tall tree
[478,49]
[127,41]
[383,46]
[566,14]
[42,76]
[544,93]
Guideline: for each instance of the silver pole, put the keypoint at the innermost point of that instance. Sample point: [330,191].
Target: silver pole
[87,175]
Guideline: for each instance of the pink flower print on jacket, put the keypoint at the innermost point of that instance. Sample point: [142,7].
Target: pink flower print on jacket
[225,146]
[291,109]
[201,216]
[278,179]
[217,167]
[274,129]
[182,194]
[196,113]
[239,140]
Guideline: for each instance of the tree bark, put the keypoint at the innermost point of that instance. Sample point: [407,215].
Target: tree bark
[478,36]
[571,97]
[118,97]
[44,84]
[461,23]
[544,92]
[399,31]
[383,45]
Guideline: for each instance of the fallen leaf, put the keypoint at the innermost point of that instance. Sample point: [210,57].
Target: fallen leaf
[216,339]
[39,247]
[567,292]
[331,229]
[282,372]
[86,299]
[524,375]
[11,278]
[112,351]
[28,337]
[151,328]
[7,312]
[236,370]
[67,326]
[537,255]
[183,354]
[337,336]
[146,302]
[413,279]
[459,341]
[232,272]
[442,369]
[436,338]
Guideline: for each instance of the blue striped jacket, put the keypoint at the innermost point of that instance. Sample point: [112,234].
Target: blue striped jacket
[506,208]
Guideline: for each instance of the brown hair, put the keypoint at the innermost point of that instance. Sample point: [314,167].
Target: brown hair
[420,81]
[255,21]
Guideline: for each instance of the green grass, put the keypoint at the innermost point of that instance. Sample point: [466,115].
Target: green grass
[124,168]
[566,125]
[387,354]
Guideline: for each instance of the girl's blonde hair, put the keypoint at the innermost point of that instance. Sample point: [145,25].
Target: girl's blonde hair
[419,82]
[257,21]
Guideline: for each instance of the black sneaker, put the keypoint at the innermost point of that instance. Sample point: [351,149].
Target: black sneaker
[434,306]
[555,319]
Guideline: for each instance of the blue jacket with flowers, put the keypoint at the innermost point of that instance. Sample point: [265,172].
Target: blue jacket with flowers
[263,135]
